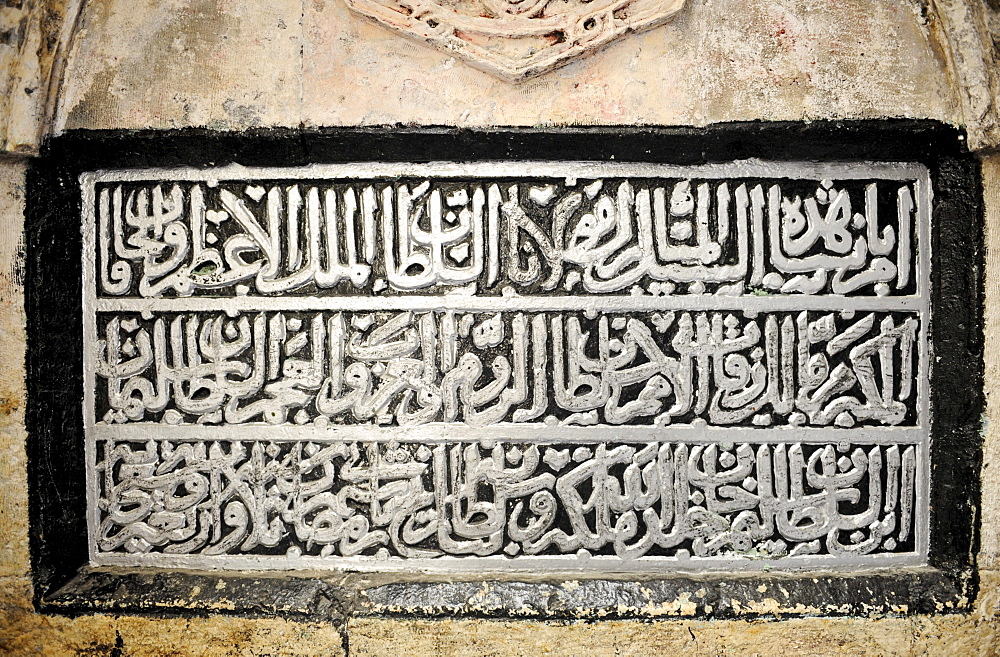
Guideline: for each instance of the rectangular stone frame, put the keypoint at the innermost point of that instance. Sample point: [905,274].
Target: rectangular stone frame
[56,452]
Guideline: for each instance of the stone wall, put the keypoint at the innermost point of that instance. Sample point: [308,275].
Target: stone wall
[228,65]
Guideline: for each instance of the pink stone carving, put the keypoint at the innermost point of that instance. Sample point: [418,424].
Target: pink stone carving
[517,39]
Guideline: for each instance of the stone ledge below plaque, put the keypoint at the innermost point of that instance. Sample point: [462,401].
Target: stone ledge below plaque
[320,597]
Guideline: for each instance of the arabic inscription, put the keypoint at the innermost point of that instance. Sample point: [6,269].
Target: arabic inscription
[506,364]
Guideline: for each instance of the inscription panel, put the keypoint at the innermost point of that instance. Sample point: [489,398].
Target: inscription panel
[508,365]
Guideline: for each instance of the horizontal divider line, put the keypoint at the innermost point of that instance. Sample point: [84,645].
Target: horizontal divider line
[549,564]
[606,304]
[370,172]
[540,434]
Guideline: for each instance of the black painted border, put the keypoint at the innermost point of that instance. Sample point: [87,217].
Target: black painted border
[53,275]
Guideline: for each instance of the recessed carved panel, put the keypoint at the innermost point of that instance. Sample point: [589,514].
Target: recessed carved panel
[508,364]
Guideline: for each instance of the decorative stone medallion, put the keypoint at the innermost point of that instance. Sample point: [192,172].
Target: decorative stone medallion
[516,39]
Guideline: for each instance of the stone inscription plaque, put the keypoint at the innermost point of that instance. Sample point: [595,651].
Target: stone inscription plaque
[508,365]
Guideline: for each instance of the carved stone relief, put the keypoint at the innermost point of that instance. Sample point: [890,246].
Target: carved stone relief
[517,38]
[508,365]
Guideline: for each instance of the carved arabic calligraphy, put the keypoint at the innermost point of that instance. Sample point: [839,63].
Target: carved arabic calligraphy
[408,368]
[415,501]
[600,236]
[594,365]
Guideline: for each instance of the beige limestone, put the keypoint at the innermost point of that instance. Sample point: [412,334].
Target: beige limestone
[990,538]
[790,638]
[220,64]
[967,32]
[716,60]
[33,39]
[13,463]
[231,65]
[25,633]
